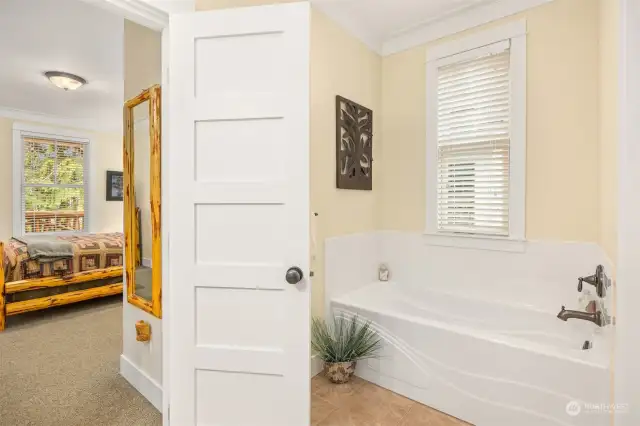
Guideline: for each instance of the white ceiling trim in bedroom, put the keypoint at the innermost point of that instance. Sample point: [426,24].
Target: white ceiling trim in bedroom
[93,125]
[391,26]
[153,14]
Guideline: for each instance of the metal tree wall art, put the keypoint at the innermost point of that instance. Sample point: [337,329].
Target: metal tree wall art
[354,143]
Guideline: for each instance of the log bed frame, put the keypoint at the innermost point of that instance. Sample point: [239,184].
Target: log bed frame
[15,308]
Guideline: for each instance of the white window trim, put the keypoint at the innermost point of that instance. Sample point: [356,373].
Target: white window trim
[516,33]
[23,129]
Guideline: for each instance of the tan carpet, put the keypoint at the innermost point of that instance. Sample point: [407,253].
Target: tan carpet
[60,367]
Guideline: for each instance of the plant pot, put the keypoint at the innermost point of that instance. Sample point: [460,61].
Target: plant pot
[339,372]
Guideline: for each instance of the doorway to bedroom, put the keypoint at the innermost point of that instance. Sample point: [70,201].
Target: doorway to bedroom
[68,68]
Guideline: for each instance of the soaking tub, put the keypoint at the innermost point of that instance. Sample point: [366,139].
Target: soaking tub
[487,363]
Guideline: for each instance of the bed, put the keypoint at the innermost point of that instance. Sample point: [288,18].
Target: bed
[94,270]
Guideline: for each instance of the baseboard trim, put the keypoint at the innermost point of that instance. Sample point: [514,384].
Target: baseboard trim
[144,384]
[316,365]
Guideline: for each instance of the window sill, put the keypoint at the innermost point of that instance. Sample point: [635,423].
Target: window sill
[476,242]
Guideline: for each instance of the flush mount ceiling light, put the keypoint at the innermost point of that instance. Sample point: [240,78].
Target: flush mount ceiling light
[64,80]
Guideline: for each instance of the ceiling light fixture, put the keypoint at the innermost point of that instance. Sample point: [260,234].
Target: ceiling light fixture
[64,80]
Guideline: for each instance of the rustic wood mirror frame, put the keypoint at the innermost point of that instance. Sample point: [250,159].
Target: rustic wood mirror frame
[131,237]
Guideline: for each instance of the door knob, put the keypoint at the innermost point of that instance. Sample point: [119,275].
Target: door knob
[294,275]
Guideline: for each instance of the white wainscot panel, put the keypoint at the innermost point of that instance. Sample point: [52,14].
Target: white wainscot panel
[545,276]
[351,262]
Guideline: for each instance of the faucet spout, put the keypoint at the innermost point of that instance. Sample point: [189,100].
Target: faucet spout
[595,317]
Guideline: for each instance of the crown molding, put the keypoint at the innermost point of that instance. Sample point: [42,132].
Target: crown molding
[174,6]
[353,26]
[138,11]
[74,123]
[452,24]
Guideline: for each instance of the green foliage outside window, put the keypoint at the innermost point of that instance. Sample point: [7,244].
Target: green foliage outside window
[53,182]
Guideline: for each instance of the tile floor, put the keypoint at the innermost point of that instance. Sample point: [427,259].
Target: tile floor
[360,403]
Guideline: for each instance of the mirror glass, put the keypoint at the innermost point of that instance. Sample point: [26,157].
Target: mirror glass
[142,204]
[142,197]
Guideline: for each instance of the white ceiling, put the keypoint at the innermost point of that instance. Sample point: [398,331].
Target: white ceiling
[78,37]
[62,35]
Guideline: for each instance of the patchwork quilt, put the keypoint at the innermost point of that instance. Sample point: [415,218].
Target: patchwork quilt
[90,252]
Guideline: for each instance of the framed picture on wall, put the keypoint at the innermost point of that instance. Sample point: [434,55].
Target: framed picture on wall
[354,145]
[115,186]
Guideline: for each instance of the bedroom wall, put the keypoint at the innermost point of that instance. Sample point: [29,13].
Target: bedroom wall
[105,154]
[141,362]
[6,178]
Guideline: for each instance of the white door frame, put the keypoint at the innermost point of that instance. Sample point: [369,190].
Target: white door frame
[142,13]
[627,352]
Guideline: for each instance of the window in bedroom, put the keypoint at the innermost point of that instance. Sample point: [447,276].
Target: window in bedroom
[476,90]
[51,194]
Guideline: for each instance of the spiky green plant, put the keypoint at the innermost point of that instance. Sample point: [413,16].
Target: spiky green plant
[347,339]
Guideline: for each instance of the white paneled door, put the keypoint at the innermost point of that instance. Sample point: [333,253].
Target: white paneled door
[239,217]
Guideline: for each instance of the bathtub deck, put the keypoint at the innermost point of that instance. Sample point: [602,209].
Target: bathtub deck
[361,403]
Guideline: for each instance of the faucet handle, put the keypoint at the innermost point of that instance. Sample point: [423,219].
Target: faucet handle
[597,280]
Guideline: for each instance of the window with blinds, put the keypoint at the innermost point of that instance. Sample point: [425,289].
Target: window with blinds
[53,185]
[473,135]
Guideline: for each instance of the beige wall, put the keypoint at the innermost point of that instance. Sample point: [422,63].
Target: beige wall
[562,126]
[142,58]
[340,65]
[609,47]
[105,154]
[6,179]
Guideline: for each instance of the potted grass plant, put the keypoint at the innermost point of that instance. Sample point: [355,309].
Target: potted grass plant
[341,344]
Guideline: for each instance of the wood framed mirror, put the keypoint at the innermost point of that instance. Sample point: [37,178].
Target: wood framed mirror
[142,224]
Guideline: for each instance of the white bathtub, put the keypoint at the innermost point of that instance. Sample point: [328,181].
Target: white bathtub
[487,363]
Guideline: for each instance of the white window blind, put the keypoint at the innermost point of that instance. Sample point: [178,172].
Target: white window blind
[474,142]
[53,185]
